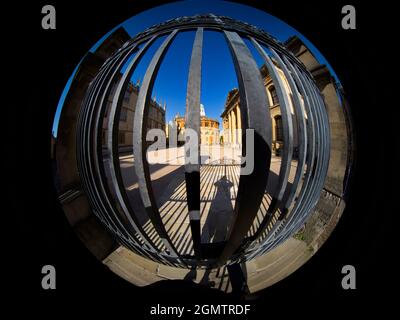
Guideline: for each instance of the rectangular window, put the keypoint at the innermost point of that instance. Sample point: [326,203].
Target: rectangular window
[274,96]
[123,115]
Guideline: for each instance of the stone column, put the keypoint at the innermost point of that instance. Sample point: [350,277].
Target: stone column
[230,127]
[233,126]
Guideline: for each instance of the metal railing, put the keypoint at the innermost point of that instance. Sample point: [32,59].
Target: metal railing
[290,206]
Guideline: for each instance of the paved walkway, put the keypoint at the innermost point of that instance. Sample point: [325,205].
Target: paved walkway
[261,272]
[219,185]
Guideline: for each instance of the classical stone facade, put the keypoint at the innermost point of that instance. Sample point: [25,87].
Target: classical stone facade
[330,91]
[232,125]
[209,128]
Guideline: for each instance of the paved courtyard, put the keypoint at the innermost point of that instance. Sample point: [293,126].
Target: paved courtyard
[219,184]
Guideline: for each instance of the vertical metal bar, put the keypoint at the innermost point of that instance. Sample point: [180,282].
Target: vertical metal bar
[112,145]
[309,196]
[139,145]
[114,225]
[287,123]
[95,122]
[325,140]
[303,210]
[301,130]
[319,175]
[255,115]
[270,240]
[192,170]
[112,148]
[321,141]
[85,146]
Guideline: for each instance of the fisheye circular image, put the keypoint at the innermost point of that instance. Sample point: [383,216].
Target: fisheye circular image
[204,141]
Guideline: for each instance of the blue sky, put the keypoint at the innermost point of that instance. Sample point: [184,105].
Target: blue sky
[218,75]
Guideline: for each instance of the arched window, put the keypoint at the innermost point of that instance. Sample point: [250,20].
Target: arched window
[278,128]
[274,96]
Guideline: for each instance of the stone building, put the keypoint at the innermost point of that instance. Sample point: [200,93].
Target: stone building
[156,117]
[337,109]
[64,158]
[330,90]
[209,128]
[65,138]
[232,127]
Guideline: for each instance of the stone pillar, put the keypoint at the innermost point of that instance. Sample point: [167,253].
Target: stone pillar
[230,127]
[233,126]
